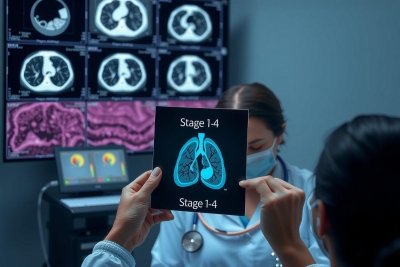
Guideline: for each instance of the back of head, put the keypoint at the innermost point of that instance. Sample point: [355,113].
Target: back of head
[358,180]
[259,100]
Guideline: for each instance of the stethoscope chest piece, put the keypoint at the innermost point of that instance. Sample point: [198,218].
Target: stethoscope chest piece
[192,241]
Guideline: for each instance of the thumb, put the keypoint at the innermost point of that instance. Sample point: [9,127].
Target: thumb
[152,182]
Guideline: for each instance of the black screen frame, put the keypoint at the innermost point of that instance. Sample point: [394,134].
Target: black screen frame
[89,187]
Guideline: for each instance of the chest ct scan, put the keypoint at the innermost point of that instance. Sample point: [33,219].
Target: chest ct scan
[122,72]
[121,18]
[51,20]
[189,23]
[46,71]
[189,74]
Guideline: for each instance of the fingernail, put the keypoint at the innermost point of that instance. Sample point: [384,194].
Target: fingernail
[157,212]
[242,182]
[156,171]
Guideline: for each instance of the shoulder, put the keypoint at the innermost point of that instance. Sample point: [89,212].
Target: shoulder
[301,178]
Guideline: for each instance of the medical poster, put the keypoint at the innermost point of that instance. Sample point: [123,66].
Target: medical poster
[202,154]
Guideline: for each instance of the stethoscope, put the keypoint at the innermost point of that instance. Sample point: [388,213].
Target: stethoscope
[193,240]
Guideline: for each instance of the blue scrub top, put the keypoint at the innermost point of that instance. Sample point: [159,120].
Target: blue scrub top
[250,249]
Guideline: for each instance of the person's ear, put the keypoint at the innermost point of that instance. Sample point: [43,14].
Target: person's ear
[322,223]
[280,137]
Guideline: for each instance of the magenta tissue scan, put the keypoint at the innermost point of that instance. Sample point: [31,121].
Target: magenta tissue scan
[121,123]
[34,129]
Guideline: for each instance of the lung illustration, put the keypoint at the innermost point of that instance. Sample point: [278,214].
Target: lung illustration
[187,171]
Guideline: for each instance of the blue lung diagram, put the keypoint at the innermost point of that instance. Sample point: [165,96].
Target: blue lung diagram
[187,171]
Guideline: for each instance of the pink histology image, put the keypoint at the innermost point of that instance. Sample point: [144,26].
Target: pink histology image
[121,123]
[34,129]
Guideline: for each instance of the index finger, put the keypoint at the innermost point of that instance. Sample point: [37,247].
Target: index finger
[285,184]
[260,185]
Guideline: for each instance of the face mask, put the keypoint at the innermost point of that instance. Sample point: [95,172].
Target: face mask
[261,163]
[318,222]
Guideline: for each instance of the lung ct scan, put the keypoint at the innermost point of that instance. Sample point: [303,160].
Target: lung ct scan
[190,74]
[121,21]
[194,23]
[123,74]
[45,73]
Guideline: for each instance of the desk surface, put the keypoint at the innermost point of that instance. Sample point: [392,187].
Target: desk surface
[53,196]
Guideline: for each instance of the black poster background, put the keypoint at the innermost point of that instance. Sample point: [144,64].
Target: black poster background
[231,138]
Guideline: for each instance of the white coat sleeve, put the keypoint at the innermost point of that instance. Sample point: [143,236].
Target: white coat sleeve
[109,254]
[167,250]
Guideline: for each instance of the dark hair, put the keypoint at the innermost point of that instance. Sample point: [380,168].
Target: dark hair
[259,100]
[358,180]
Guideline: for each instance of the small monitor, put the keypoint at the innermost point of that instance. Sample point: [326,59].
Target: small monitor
[85,169]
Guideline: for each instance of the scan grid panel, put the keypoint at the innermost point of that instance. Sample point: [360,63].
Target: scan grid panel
[87,73]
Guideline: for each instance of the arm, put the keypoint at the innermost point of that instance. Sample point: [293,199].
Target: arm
[167,250]
[132,224]
[109,254]
[281,216]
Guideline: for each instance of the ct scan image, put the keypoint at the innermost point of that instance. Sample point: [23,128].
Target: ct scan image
[193,23]
[45,73]
[189,74]
[46,21]
[121,74]
[122,21]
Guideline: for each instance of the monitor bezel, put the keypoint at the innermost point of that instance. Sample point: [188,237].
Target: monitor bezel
[97,187]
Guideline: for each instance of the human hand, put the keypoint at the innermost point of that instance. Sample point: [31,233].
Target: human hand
[134,217]
[281,215]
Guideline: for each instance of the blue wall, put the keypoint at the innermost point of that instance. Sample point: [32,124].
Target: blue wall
[327,61]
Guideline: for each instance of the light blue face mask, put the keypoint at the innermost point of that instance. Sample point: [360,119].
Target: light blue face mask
[261,163]
[311,206]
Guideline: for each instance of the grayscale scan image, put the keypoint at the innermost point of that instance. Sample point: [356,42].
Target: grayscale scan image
[122,72]
[189,23]
[121,18]
[46,71]
[51,20]
[189,74]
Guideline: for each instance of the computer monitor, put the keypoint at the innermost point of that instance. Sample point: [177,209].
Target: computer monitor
[88,169]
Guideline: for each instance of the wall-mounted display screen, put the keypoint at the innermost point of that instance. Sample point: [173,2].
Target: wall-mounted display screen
[91,72]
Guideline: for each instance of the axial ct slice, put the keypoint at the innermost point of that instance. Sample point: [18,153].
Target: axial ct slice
[46,71]
[189,23]
[122,72]
[121,18]
[189,74]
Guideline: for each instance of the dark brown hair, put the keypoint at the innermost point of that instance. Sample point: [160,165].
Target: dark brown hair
[259,100]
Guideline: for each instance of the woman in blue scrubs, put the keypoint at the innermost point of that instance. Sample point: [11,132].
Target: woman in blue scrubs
[266,128]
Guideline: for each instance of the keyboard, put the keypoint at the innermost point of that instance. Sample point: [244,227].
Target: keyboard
[91,201]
